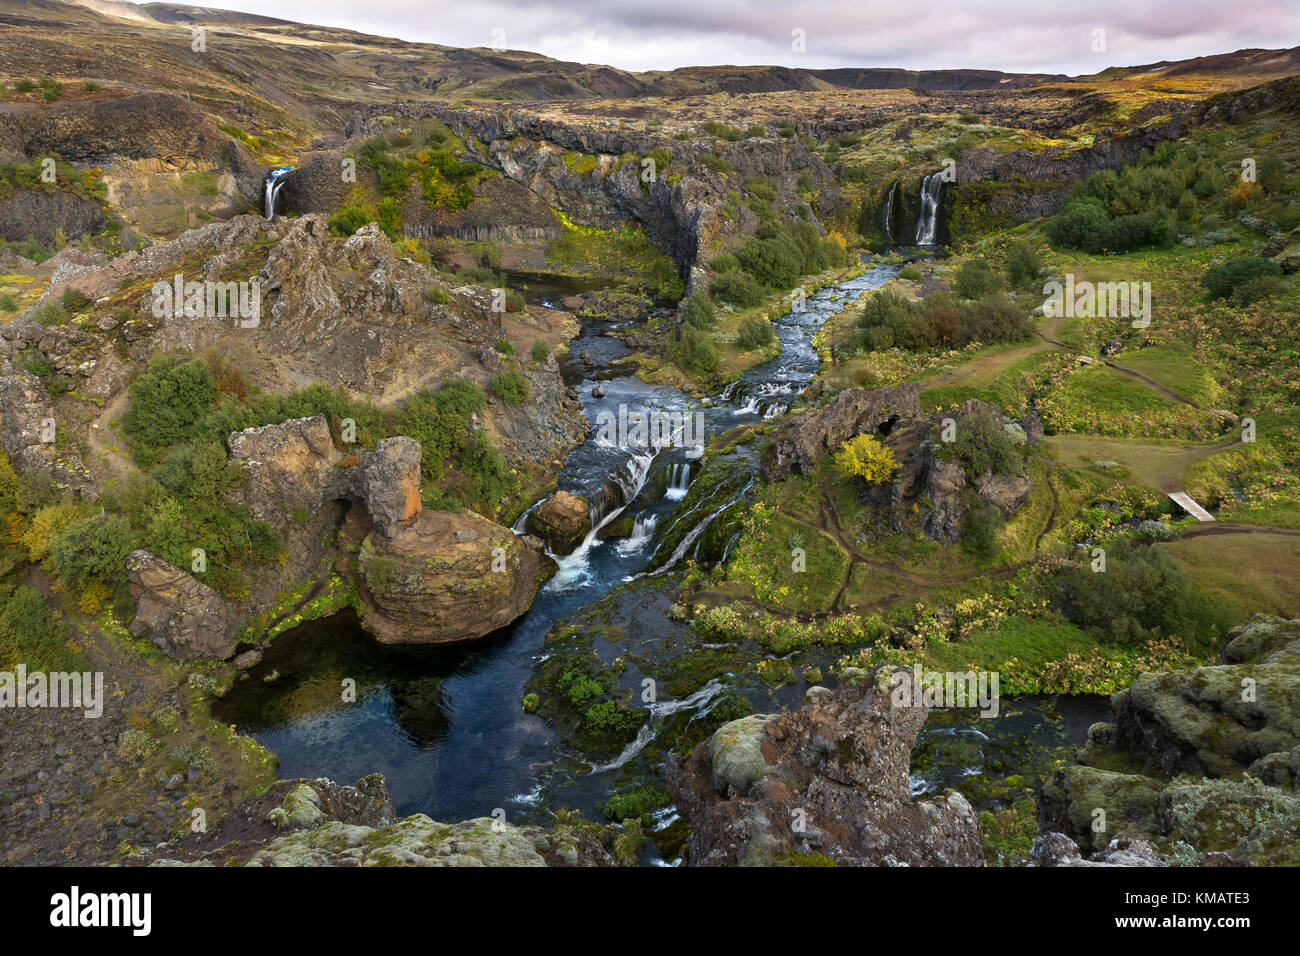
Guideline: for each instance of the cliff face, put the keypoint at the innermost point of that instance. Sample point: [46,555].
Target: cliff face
[679,210]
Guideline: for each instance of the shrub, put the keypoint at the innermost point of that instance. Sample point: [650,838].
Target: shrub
[755,333]
[698,312]
[982,446]
[93,550]
[486,469]
[738,288]
[30,635]
[1142,594]
[1023,263]
[862,456]
[1223,280]
[505,347]
[976,279]
[7,303]
[347,221]
[74,300]
[911,273]
[539,351]
[979,533]
[437,295]
[994,319]
[697,351]
[511,387]
[1259,288]
[1081,218]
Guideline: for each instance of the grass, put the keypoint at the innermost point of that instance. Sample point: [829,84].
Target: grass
[1178,370]
[1158,464]
[1258,571]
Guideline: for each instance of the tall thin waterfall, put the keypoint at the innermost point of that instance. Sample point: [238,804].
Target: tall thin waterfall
[679,477]
[927,227]
[271,189]
[889,216]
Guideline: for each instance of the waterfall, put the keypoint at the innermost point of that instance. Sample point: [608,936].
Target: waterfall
[679,477]
[889,216]
[927,227]
[643,529]
[271,189]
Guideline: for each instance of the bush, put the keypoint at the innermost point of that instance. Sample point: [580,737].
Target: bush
[1023,264]
[440,422]
[698,312]
[755,333]
[1259,288]
[93,550]
[1081,219]
[505,347]
[30,635]
[489,477]
[697,352]
[1143,594]
[994,319]
[979,532]
[511,387]
[74,300]
[167,402]
[1223,280]
[539,351]
[982,446]
[976,279]
[911,273]
[737,288]
[347,221]
[864,457]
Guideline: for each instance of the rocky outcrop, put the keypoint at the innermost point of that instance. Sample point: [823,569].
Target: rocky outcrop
[177,613]
[448,577]
[803,440]
[562,521]
[43,216]
[320,823]
[502,211]
[1218,721]
[29,432]
[427,577]
[830,779]
[1197,762]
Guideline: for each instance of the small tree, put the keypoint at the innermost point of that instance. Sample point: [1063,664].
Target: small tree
[863,456]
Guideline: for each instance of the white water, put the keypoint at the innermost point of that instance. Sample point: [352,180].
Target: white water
[889,215]
[679,479]
[271,190]
[643,530]
[927,227]
[702,700]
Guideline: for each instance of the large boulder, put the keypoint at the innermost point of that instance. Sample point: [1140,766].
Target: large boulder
[562,521]
[177,612]
[1202,764]
[803,440]
[831,779]
[448,577]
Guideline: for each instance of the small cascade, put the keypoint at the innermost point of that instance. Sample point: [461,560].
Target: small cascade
[679,478]
[643,529]
[887,225]
[775,409]
[703,700]
[749,408]
[271,189]
[927,227]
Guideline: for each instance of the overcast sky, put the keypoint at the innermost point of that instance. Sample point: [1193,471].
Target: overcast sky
[1047,36]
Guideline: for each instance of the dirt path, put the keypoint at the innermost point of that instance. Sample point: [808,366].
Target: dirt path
[106,458]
